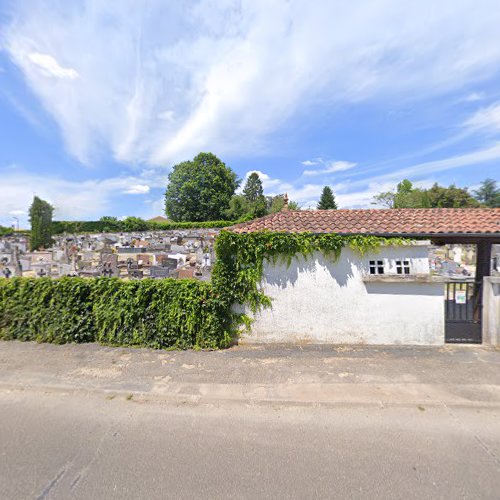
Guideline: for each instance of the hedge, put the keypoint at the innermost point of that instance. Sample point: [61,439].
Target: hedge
[165,313]
[60,227]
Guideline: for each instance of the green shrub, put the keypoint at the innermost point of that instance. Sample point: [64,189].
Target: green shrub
[130,224]
[151,313]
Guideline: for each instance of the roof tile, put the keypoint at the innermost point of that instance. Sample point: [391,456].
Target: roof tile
[411,221]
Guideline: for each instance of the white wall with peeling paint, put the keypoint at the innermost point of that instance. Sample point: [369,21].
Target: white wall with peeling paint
[318,300]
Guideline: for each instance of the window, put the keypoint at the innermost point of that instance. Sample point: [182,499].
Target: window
[403,267]
[376,267]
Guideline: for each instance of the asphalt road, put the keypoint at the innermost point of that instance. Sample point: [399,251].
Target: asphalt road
[57,445]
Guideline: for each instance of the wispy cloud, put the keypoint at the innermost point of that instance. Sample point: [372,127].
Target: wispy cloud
[137,189]
[485,120]
[50,67]
[225,75]
[474,97]
[328,166]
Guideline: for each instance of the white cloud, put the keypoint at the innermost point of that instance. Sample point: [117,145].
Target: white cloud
[486,119]
[160,81]
[329,166]
[50,67]
[137,189]
[81,200]
[474,97]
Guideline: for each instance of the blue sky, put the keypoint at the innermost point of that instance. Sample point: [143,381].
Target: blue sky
[98,99]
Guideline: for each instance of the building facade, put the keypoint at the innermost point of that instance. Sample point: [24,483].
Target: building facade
[395,296]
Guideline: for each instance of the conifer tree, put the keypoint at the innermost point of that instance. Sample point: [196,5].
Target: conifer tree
[41,224]
[327,200]
[253,192]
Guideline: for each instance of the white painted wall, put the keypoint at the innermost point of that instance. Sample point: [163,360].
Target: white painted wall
[491,310]
[318,300]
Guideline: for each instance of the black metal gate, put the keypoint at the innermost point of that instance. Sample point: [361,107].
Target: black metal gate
[463,312]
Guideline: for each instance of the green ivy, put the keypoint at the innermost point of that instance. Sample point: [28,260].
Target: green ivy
[240,258]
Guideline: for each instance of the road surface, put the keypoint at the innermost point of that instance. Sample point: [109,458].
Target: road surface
[92,422]
[60,446]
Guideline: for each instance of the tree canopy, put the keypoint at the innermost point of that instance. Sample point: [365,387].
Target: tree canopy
[327,200]
[488,193]
[200,190]
[40,215]
[407,196]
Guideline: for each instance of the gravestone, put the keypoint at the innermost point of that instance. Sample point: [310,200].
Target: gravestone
[160,272]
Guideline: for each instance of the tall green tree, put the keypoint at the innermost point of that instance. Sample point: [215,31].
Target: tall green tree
[253,188]
[488,193]
[200,190]
[327,200]
[253,192]
[40,215]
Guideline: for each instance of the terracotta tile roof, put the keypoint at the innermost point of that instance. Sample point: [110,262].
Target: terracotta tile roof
[411,221]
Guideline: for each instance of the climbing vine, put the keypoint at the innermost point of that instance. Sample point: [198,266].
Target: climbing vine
[240,258]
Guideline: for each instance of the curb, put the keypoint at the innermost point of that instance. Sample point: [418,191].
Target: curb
[289,395]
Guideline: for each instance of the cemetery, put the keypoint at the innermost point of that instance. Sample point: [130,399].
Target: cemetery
[148,254]
[407,276]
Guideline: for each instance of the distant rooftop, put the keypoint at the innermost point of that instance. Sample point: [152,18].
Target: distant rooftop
[404,221]
[159,218]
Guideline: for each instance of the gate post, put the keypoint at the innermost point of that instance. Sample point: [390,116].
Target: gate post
[483,269]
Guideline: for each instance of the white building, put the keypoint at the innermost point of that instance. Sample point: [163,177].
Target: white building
[388,297]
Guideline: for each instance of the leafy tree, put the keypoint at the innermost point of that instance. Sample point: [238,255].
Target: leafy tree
[200,190]
[134,224]
[406,196]
[40,215]
[327,200]
[488,194]
[450,197]
[111,223]
[239,208]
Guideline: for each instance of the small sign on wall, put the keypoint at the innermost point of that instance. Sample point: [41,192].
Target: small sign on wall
[460,297]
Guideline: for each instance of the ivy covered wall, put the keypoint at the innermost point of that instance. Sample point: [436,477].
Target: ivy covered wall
[164,313]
